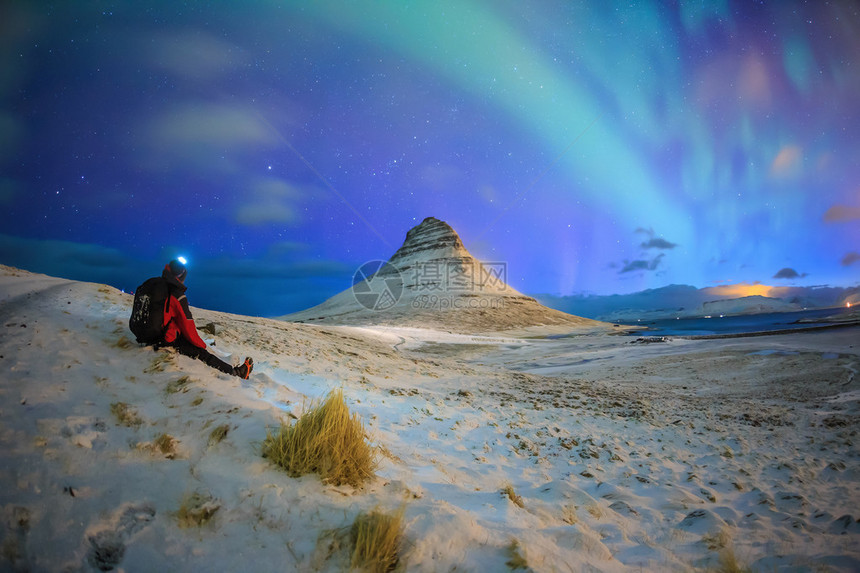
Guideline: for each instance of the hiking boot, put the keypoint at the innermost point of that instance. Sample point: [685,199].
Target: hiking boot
[244,370]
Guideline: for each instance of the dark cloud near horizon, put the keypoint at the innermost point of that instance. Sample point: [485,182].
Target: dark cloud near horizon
[256,286]
[641,265]
[850,258]
[62,258]
[788,273]
[266,269]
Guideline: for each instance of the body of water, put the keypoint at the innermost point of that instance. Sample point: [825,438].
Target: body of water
[737,324]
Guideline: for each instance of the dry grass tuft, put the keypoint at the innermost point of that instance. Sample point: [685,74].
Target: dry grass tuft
[326,440]
[166,444]
[377,539]
[218,434]
[178,385]
[595,511]
[508,490]
[517,560]
[159,363]
[197,510]
[729,563]
[123,342]
[126,415]
[568,514]
[718,540]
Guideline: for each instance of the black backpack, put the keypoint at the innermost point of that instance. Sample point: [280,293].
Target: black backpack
[147,312]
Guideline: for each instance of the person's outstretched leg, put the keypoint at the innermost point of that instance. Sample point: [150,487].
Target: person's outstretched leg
[184,347]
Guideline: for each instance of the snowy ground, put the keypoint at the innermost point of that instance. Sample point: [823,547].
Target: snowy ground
[626,457]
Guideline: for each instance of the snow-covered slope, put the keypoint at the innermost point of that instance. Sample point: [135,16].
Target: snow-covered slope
[433,282]
[620,457]
[755,304]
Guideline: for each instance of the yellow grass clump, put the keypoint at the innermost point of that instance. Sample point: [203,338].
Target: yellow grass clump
[517,560]
[508,490]
[729,563]
[376,540]
[166,444]
[197,510]
[218,434]
[326,440]
[126,415]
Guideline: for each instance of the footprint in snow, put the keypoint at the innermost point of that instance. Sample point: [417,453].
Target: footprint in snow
[107,546]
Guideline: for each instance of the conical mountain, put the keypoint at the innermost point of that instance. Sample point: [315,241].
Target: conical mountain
[432,281]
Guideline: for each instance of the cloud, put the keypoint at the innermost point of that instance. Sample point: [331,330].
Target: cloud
[841,214]
[850,258]
[788,273]
[22,252]
[272,201]
[280,249]
[263,214]
[658,243]
[76,261]
[654,242]
[233,269]
[210,139]
[641,265]
[194,54]
[211,124]
[263,287]
[787,162]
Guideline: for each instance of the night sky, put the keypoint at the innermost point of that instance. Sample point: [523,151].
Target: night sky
[592,146]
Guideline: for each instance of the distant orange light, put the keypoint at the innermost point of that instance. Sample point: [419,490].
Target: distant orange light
[739,290]
[847,305]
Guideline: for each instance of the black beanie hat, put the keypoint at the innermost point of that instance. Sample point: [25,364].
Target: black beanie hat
[177,269]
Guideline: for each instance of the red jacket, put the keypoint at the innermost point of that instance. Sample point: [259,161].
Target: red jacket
[178,322]
[177,316]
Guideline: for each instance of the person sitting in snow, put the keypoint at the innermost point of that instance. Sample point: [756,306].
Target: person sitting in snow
[180,332]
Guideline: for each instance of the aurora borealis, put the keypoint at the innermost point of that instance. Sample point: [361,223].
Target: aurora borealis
[601,147]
